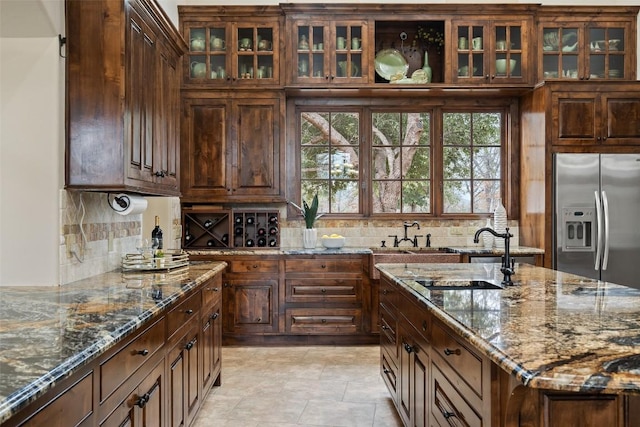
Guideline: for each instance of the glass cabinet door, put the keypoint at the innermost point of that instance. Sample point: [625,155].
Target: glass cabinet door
[508,42]
[255,54]
[471,52]
[561,52]
[207,58]
[606,47]
[311,53]
[347,62]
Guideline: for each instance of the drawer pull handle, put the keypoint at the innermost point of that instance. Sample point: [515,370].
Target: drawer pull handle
[212,289]
[259,319]
[386,371]
[448,415]
[323,266]
[255,266]
[144,352]
[384,327]
[408,348]
[424,325]
[324,291]
[449,352]
[214,316]
[189,311]
[142,400]
[384,292]
[190,344]
[324,320]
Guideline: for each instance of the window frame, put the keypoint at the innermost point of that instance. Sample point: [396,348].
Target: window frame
[365,106]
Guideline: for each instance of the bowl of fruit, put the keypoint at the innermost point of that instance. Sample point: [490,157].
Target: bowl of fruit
[332,241]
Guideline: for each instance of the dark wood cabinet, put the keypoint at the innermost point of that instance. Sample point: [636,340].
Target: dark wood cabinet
[211,332]
[492,50]
[582,43]
[326,50]
[597,117]
[232,147]
[122,98]
[232,46]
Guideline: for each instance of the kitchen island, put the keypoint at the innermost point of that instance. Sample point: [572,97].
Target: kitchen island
[51,336]
[549,350]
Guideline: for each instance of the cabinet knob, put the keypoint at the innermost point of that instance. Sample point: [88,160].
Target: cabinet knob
[144,352]
[190,344]
[449,352]
[189,311]
[213,289]
[142,400]
[384,292]
[448,415]
[259,319]
[214,316]
[161,173]
[408,348]
[323,266]
[386,371]
[323,290]
[424,325]
[384,327]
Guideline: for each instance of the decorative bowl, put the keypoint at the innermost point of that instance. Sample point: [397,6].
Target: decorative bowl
[501,66]
[333,242]
[389,62]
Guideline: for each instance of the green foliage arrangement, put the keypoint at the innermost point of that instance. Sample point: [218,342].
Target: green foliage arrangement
[310,213]
[428,37]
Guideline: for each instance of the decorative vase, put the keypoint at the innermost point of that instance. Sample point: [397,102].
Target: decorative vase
[426,67]
[499,222]
[487,238]
[309,238]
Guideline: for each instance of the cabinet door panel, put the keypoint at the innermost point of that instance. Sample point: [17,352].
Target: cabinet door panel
[623,120]
[257,149]
[205,160]
[575,117]
[250,305]
[561,410]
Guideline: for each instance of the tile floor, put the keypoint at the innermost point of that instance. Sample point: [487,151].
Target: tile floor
[299,386]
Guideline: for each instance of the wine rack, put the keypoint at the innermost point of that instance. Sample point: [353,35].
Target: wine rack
[256,229]
[220,229]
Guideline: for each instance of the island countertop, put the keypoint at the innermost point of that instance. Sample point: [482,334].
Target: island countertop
[47,333]
[551,330]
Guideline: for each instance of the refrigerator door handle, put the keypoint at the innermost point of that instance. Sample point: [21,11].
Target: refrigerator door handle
[605,204]
[599,233]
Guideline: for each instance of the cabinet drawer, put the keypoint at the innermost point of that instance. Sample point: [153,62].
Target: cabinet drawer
[324,266]
[467,365]
[388,294]
[388,333]
[115,370]
[182,313]
[389,373]
[419,317]
[319,321]
[252,266]
[323,290]
[447,404]
[212,291]
[70,408]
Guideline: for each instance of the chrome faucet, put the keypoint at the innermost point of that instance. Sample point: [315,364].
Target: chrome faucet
[508,264]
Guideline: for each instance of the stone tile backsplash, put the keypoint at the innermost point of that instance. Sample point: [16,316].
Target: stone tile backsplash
[93,237]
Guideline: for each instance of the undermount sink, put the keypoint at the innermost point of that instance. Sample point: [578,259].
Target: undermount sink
[447,285]
[410,255]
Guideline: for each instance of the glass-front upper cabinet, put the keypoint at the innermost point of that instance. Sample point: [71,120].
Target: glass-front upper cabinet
[231,50]
[586,48]
[490,52]
[328,52]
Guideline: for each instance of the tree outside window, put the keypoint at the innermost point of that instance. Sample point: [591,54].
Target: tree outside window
[401,150]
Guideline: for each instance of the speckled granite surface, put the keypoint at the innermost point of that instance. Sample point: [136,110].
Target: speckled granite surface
[552,330]
[46,333]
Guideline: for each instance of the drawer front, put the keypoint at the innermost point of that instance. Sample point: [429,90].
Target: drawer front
[388,294]
[448,408]
[212,291]
[252,266]
[467,365]
[417,316]
[388,333]
[323,290]
[324,266]
[73,406]
[389,373]
[119,367]
[322,321]
[182,313]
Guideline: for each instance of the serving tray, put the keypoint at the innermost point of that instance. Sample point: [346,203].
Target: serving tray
[171,259]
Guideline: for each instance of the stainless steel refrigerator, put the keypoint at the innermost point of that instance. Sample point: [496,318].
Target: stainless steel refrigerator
[597,216]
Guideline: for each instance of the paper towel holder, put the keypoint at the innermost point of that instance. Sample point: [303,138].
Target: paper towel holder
[125,203]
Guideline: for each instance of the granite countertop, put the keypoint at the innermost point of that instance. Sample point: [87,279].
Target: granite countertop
[515,250]
[47,333]
[552,330]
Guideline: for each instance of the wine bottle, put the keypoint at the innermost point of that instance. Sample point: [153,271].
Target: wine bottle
[208,223]
[156,233]
[261,231]
[250,220]
[273,231]
[273,219]
[187,234]
[262,241]
[249,243]
[273,242]
[225,238]
[238,219]
[211,243]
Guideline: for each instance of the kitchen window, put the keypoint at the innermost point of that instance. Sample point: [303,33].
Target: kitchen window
[370,161]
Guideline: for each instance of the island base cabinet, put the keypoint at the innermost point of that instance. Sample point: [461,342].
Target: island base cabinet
[143,407]
[561,410]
